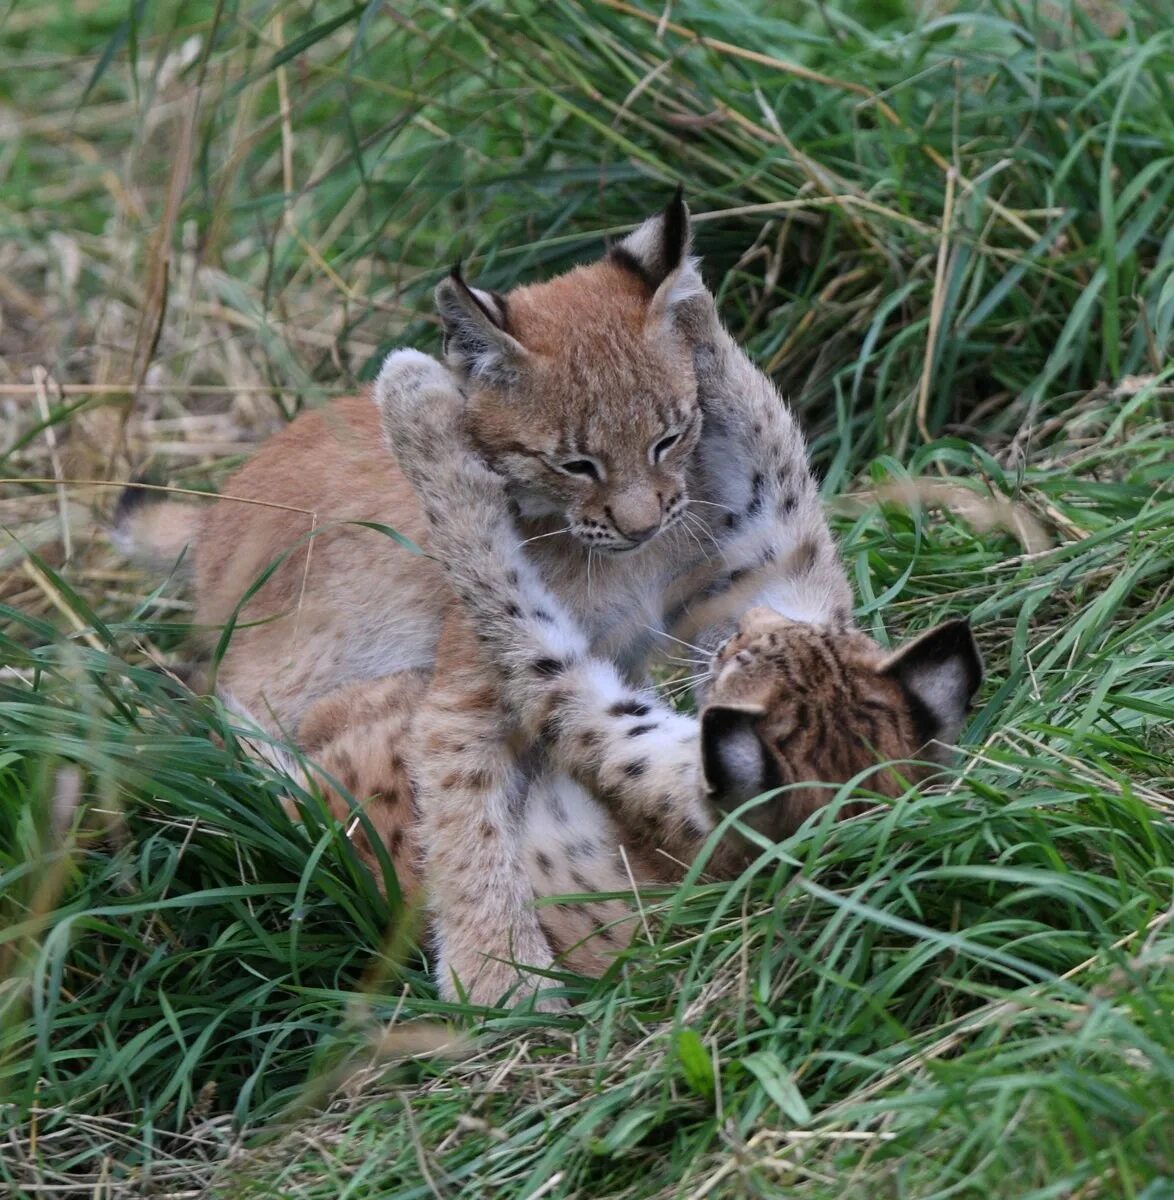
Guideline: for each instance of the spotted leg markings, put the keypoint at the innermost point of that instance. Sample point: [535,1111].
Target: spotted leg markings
[762,505]
[555,688]
[754,464]
[470,787]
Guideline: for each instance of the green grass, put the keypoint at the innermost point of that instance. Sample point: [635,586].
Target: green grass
[967,995]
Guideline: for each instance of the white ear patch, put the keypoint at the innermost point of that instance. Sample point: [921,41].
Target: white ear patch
[489,302]
[941,688]
[645,242]
[740,756]
[732,754]
[659,246]
[942,670]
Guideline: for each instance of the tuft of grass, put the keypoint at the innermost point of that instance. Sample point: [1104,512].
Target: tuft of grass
[948,235]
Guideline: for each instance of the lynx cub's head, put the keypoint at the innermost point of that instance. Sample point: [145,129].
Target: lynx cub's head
[581,389]
[794,703]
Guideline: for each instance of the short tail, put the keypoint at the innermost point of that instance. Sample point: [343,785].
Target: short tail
[153,531]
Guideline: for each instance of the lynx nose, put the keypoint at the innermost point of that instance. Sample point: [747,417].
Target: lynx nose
[635,515]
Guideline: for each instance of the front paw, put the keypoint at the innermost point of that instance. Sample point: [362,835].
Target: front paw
[509,979]
[406,371]
[698,320]
[418,397]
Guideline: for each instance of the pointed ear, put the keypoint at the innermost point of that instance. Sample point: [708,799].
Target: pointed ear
[658,252]
[733,758]
[476,341]
[659,246]
[940,672]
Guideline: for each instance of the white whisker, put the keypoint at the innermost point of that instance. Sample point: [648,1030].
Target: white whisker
[685,662]
[680,687]
[681,641]
[688,531]
[539,536]
[691,517]
[687,680]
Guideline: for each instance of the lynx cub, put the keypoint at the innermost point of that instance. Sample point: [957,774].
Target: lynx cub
[655,477]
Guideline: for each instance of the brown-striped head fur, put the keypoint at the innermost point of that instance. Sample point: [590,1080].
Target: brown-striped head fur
[581,389]
[794,703]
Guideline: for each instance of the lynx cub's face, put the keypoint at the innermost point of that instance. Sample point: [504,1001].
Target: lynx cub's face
[794,702]
[581,390]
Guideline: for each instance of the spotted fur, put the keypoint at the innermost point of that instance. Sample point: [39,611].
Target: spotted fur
[601,364]
[795,711]
[797,696]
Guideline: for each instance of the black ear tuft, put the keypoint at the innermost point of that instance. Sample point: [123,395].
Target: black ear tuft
[477,343]
[676,230]
[488,302]
[733,758]
[940,672]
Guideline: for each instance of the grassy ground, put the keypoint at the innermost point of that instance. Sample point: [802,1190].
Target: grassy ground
[949,237]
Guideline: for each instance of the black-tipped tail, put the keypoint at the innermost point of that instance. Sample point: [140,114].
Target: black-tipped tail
[151,529]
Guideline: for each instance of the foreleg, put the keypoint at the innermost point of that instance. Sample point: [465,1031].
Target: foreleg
[758,499]
[622,744]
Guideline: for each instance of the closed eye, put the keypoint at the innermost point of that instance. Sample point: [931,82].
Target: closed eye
[661,448]
[587,467]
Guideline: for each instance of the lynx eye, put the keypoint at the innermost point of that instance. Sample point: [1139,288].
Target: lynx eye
[586,467]
[661,448]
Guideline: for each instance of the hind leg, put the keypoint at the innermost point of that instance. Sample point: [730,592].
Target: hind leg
[471,797]
[573,847]
[356,739]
